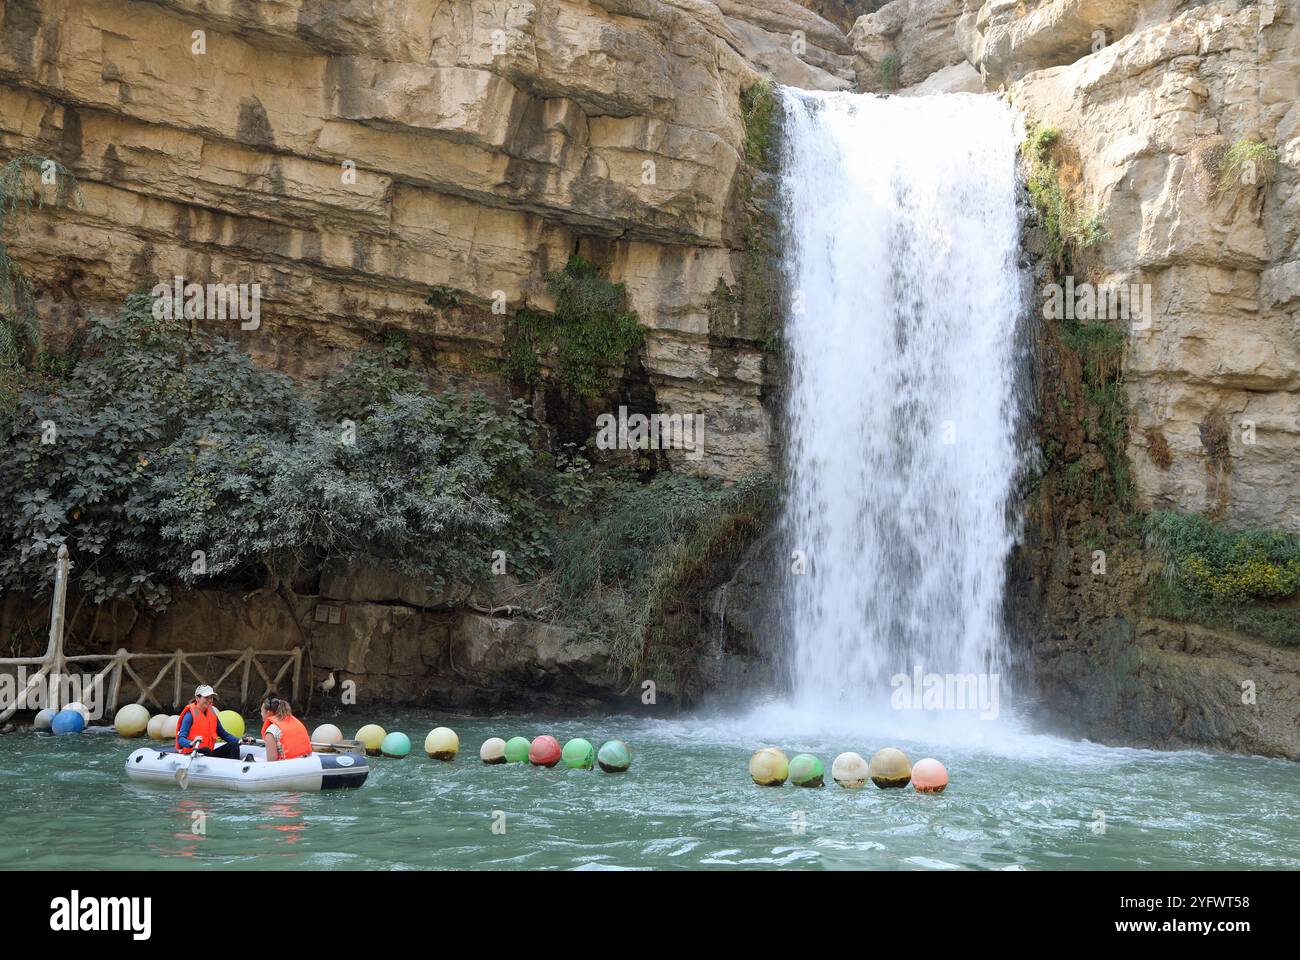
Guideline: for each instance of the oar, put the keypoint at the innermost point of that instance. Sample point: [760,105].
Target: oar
[183,773]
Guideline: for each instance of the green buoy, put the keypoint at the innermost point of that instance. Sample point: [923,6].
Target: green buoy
[614,756]
[579,754]
[395,745]
[806,771]
[517,750]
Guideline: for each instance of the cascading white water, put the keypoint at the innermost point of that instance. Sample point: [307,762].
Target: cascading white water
[901,249]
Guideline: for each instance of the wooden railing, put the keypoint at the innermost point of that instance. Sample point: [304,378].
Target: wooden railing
[176,690]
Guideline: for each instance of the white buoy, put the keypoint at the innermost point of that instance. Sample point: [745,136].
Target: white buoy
[326,733]
[850,771]
[131,721]
[169,727]
[155,728]
[493,750]
[43,719]
[80,708]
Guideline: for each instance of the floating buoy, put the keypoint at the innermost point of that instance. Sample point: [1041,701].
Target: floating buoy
[155,728]
[806,771]
[769,767]
[233,722]
[544,751]
[493,750]
[326,733]
[442,743]
[131,721]
[890,768]
[67,721]
[170,726]
[81,709]
[516,750]
[395,745]
[614,756]
[43,719]
[850,771]
[579,754]
[929,776]
[372,735]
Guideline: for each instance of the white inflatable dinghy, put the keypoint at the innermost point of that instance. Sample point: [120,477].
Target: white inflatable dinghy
[319,771]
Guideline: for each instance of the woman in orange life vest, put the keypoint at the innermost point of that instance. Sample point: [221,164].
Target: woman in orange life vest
[286,738]
[200,728]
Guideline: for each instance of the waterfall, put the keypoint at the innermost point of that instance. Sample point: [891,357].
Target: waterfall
[900,263]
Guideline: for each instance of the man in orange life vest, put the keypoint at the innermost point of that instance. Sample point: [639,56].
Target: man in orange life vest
[285,736]
[200,728]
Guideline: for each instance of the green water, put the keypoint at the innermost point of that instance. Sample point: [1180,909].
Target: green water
[1024,802]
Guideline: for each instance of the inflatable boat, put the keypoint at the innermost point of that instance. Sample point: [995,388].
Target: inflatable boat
[319,771]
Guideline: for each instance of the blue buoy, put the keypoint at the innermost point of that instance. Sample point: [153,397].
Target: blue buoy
[68,721]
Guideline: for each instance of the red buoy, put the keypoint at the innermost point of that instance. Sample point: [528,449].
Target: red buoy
[544,752]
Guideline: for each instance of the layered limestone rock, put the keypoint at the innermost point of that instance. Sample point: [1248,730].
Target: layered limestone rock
[1213,375]
[907,41]
[350,161]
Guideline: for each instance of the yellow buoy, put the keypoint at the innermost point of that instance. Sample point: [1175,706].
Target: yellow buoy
[328,733]
[169,727]
[890,768]
[769,767]
[155,728]
[131,721]
[233,722]
[442,743]
[372,735]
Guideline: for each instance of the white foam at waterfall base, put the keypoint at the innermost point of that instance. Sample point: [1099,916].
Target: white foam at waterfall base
[900,247]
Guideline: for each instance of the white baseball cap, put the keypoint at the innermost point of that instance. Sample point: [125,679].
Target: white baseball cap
[203,690]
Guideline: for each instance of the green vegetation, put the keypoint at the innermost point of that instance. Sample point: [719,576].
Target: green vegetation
[1247,164]
[1100,349]
[442,297]
[888,72]
[591,331]
[1247,580]
[26,182]
[1070,227]
[758,113]
[637,548]
[164,443]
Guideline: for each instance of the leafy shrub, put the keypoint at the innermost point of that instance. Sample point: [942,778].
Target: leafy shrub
[1069,226]
[167,442]
[758,114]
[591,331]
[1214,575]
[888,72]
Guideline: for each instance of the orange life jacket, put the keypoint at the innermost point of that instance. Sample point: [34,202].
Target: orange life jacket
[202,725]
[294,739]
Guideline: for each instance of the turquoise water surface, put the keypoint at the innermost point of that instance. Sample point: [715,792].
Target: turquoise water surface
[1024,802]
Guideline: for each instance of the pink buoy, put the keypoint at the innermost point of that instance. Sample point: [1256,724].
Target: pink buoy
[544,752]
[929,776]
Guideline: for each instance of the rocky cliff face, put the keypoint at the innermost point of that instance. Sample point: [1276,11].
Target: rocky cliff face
[350,162]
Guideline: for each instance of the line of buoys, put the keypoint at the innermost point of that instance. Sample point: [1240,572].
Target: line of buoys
[889,768]
[614,756]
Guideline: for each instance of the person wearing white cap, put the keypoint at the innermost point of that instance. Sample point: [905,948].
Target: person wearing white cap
[200,728]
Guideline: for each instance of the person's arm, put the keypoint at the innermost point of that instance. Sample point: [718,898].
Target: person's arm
[183,734]
[221,732]
[272,743]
